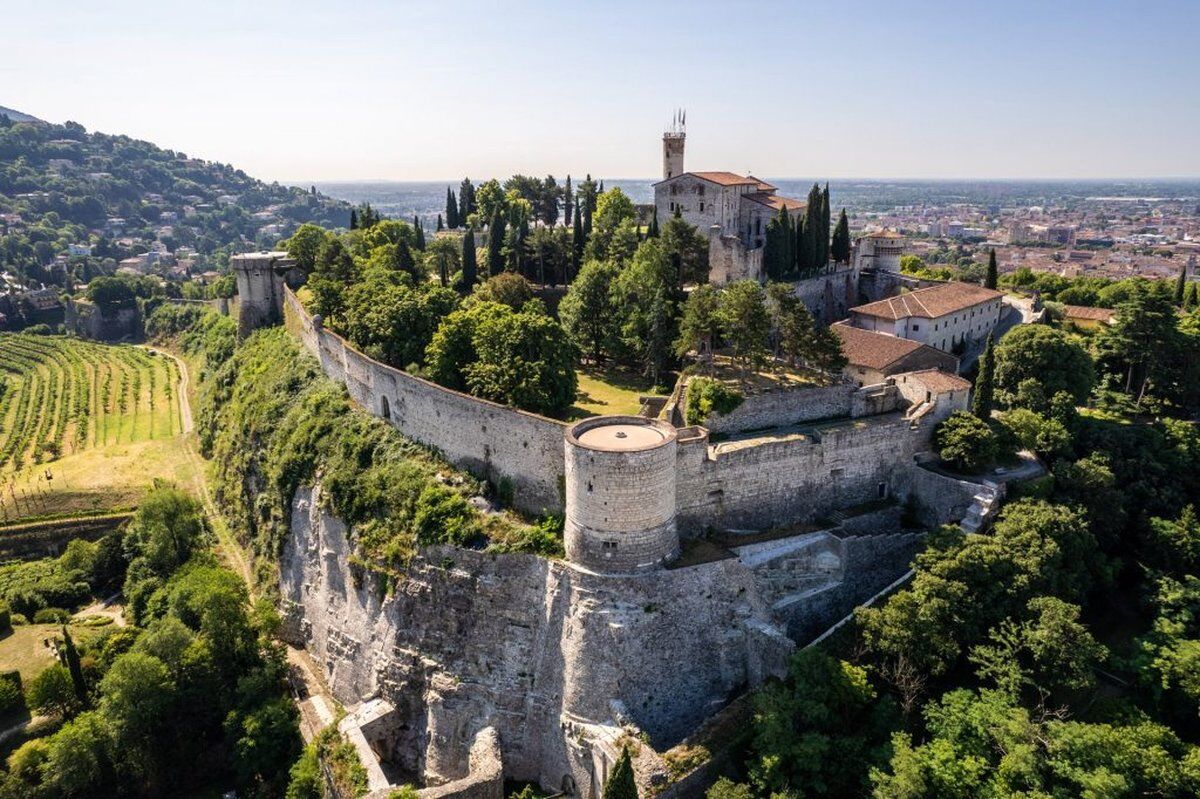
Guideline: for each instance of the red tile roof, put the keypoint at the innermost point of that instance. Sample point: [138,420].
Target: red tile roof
[775,201]
[937,381]
[930,303]
[870,349]
[724,178]
[1089,313]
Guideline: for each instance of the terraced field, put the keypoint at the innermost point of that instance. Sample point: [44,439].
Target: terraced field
[83,426]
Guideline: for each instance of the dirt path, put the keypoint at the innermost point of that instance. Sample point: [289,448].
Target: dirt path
[311,694]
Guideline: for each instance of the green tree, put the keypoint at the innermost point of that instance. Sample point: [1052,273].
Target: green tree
[966,442]
[74,667]
[452,347]
[305,245]
[470,272]
[495,257]
[587,310]
[505,288]
[1180,286]
[700,324]
[686,248]
[525,360]
[1055,359]
[620,783]
[984,398]
[840,248]
[136,703]
[1140,341]
[777,249]
[993,273]
[745,322]
[452,220]
[78,762]
[646,300]
[52,691]
[578,241]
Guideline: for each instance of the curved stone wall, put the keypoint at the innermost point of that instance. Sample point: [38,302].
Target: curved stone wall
[620,486]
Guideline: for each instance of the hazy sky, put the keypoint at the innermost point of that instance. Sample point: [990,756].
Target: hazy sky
[303,91]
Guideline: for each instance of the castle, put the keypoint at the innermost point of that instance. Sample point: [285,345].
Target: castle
[740,539]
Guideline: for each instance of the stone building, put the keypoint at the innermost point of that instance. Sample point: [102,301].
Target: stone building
[879,250]
[871,357]
[732,209]
[261,277]
[945,316]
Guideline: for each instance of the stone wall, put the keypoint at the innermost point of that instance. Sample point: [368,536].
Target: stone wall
[940,498]
[490,440]
[788,407]
[538,649]
[90,321]
[784,477]
[829,296]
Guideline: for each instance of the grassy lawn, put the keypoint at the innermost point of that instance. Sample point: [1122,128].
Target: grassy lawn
[23,649]
[608,392]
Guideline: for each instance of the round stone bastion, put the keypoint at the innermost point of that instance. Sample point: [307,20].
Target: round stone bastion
[620,487]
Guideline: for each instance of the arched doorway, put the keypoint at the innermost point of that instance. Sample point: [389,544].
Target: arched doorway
[385,410]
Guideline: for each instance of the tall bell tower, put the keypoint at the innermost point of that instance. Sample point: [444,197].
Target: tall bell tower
[673,145]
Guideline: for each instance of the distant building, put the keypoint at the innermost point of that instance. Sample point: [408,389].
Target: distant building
[872,356]
[943,316]
[1088,318]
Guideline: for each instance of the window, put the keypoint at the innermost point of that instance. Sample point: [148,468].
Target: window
[883,490]
[916,328]
[836,472]
[700,190]
[610,544]
[701,207]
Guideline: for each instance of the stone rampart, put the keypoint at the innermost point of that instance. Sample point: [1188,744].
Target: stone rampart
[793,406]
[538,649]
[792,476]
[490,440]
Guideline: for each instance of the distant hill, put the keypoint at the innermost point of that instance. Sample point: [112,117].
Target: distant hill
[74,204]
[17,116]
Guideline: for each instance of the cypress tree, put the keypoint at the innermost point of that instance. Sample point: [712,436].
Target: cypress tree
[824,235]
[1192,299]
[620,783]
[812,232]
[470,270]
[800,249]
[440,226]
[452,220]
[653,231]
[568,202]
[495,248]
[993,272]
[1180,286]
[71,655]
[420,232]
[466,200]
[578,240]
[985,390]
[353,219]
[601,187]
[840,248]
[775,248]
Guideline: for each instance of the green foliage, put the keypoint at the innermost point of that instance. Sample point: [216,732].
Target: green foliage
[1056,360]
[620,783]
[983,400]
[12,699]
[587,310]
[505,288]
[745,322]
[391,320]
[818,733]
[5,618]
[30,586]
[1049,438]
[966,442]
[706,396]
[52,692]
[304,777]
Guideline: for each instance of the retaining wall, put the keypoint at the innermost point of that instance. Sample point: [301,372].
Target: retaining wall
[490,440]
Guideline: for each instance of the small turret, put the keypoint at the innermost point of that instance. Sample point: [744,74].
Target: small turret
[260,281]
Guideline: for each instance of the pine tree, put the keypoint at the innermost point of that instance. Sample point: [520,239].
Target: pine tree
[495,248]
[71,655]
[353,219]
[452,220]
[993,272]
[1180,286]
[620,783]
[776,248]
[470,271]
[578,240]
[985,390]
[839,250]
[440,226]
[568,202]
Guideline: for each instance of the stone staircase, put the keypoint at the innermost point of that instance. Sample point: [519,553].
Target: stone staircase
[984,507]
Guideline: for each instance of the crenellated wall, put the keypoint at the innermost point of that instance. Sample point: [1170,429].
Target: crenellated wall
[488,439]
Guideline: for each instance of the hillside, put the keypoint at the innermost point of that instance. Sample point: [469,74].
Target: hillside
[16,116]
[74,204]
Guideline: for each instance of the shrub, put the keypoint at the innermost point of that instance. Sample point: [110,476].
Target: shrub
[966,442]
[12,698]
[6,622]
[51,616]
[706,396]
[1046,437]
[443,517]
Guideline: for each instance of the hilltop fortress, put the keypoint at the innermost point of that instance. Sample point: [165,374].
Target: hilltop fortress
[697,559]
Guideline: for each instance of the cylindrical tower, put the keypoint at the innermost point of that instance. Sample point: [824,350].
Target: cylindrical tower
[620,485]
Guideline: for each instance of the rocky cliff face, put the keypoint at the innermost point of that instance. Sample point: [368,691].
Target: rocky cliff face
[553,657]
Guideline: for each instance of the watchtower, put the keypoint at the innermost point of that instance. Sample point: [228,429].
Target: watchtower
[673,140]
[620,486]
[260,280]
